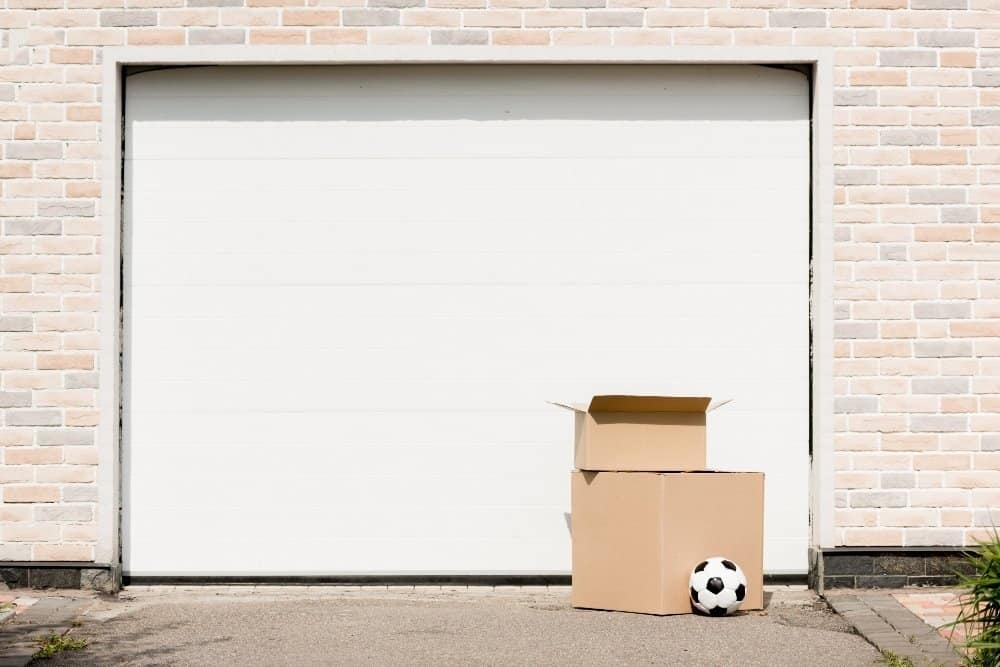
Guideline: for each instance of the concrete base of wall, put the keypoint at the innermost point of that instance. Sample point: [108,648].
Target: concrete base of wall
[887,567]
[77,575]
[843,567]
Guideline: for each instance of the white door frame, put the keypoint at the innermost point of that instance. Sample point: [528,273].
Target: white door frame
[115,60]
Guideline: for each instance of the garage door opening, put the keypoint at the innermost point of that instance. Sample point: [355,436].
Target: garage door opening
[350,291]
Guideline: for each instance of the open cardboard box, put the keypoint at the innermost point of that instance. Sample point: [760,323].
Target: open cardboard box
[649,433]
[638,535]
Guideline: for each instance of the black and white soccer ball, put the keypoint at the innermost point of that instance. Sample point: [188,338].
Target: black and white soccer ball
[718,586]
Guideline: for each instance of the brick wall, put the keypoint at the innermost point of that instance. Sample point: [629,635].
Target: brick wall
[917,152]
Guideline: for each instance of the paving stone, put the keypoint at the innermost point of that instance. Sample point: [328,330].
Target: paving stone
[890,626]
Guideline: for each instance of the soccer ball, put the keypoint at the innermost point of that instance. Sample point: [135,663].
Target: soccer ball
[718,586]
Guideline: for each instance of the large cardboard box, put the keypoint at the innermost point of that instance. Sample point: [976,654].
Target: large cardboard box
[647,433]
[638,535]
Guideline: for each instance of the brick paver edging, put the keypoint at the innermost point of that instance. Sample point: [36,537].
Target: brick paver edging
[889,626]
[50,615]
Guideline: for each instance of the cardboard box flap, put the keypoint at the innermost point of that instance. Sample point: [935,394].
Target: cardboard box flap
[653,404]
[575,407]
[629,403]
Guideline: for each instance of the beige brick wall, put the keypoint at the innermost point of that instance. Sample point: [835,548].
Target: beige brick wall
[917,294]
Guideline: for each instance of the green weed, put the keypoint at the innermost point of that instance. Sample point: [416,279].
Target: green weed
[55,644]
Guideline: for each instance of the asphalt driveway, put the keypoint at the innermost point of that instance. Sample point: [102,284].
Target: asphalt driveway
[316,626]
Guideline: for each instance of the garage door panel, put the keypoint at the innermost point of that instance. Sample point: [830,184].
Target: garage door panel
[456,303]
[581,208]
[316,556]
[321,175]
[452,490]
[430,435]
[493,145]
[474,394]
[437,268]
[557,339]
[308,368]
[200,242]
[351,291]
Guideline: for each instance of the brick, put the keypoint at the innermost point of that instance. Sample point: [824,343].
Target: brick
[288,36]
[849,404]
[926,537]
[908,137]
[33,150]
[338,36]
[66,208]
[946,38]
[581,4]
[897,480]
[878,499]
[216,36]
[987,117]
[32,227]
[35,493]
[855,97]
[15,399]
[939,423]
[614,18]
[554,19]
[937,196]
[128,18]
[156,36]
[941,462]
[939,4]
[190,17]
[62,552]
[856,330]
[15,323]
[64,513]
[30,533]
[370,17]
[66,360]
[492,18]
[907,58]
[521,37]
[942,310]
[460,37]
[64,437]
[986,78]
[959,214]
[783,18]
[943,348]
[32,455]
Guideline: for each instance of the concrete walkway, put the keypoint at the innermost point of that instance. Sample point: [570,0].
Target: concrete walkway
[446,625]
[42,614]
[890,626]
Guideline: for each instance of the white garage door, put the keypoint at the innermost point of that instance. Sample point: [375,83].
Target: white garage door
[351,291]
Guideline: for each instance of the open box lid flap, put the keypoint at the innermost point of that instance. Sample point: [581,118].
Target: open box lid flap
[627,403]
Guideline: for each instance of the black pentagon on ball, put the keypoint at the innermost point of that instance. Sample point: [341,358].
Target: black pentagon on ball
[701,566]
[694,594]
[729,565]
[741,592]
[717,611]
[715,584]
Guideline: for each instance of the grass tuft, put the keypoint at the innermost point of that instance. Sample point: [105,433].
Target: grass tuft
[980,604]
[55,644]
[891,659]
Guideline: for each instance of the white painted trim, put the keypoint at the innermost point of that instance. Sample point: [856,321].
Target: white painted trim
[821,305]
[821,59]
[109,395]
[305,55]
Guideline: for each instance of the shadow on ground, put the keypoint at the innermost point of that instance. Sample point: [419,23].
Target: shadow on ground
[406,630]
